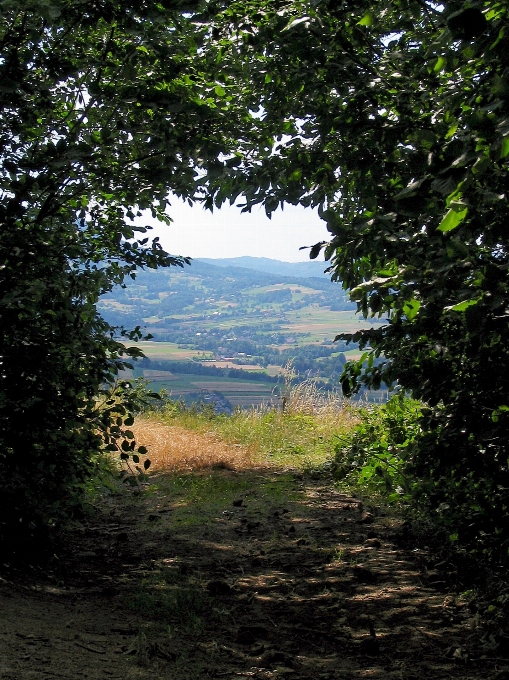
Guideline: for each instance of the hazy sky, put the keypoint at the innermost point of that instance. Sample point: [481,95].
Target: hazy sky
[229,233]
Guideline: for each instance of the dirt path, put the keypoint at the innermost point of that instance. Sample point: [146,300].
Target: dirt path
[279,576]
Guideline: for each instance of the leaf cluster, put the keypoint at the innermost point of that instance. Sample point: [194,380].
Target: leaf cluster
[106,106]
[393,119]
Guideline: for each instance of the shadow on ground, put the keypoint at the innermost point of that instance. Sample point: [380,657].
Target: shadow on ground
[226,574]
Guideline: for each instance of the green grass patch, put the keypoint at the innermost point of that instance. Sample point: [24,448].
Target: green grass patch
[304,436]
[169,597]
[199,499]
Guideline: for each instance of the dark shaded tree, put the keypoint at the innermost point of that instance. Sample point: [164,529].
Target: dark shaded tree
[106,106]
[393,119]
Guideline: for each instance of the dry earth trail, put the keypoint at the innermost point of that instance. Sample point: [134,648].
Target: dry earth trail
[278,575]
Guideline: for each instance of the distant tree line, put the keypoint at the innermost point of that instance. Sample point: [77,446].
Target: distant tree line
[194,368]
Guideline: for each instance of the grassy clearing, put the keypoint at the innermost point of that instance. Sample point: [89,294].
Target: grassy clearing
[199,499]
[301,435]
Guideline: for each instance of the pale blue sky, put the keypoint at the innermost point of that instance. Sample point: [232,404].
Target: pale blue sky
[229,233]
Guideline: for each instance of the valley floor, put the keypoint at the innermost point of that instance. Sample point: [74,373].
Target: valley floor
[256,573]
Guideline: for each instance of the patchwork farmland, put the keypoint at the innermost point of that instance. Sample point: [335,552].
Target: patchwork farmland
[235,324]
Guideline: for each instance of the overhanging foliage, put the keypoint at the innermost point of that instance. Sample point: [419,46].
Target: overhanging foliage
[393,119]
[105,107]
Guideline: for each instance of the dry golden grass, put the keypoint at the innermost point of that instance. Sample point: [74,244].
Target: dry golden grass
[300,434]
[172,448]
[306,399]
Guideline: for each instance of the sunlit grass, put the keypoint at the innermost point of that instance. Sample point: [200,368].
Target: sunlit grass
[198,499]
[187,444]
[300,434]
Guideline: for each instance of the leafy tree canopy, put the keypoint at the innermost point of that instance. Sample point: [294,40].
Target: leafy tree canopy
[106,106]
[393,119]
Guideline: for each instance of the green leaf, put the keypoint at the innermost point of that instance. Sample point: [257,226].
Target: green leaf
[409,190]
[452,219]
[504,150]
[315,250]
[441,61]
[295,22]
[367,20]
[451,131]
[411,308]
[462,306]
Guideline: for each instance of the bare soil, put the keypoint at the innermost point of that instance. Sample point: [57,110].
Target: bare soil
[305,584]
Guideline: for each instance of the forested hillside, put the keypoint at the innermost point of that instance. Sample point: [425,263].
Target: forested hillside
[246,316]
[311,268]
[202,289]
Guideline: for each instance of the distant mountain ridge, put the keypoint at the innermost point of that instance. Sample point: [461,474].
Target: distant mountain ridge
[313,268]
[210,291]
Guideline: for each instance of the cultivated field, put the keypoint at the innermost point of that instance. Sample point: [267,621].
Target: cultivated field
[323,324]
[168,351]
[238,392]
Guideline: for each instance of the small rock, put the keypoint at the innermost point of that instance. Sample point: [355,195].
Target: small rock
[271,656]
[367,518]
[218,587]
[248,635]
[257,561]
[109,591]
[372,543]
[124,629]
[238,503]
[364,575]
[369,646]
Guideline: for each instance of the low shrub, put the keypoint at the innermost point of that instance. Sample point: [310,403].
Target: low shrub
[375,453]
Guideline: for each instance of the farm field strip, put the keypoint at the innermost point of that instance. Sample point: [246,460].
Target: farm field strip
[234,387]
[238,392]
[228,364]
[167,350]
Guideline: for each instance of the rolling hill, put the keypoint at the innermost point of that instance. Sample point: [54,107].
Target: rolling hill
[217,323]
